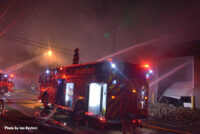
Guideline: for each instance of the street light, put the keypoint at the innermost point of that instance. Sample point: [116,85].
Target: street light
[49,53]
[26,62]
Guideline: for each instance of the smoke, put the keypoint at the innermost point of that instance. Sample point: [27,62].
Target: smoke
[82,24]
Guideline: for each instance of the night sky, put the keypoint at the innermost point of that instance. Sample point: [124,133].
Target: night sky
[29,27]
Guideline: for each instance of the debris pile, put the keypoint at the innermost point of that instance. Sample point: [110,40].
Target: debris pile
[175,113]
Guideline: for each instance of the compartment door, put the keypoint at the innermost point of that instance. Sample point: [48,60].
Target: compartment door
[69,94]
[97,98]
[60,98]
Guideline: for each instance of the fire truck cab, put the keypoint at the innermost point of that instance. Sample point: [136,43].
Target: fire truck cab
[6,84]
[106,91]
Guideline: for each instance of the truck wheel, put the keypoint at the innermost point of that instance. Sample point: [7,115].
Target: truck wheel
[3,90]
[45,101]
[79,112]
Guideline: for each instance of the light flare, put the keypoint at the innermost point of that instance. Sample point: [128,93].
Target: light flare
[49,53]
[24,63]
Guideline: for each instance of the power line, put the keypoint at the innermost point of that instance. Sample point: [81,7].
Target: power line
[16,19]
[23,40]
[6,11]
[35,45]
[36,42]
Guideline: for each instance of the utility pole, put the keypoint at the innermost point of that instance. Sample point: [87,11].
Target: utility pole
[113,47]
[113,32]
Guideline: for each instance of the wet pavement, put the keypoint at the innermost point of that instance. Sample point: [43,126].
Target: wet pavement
[22,105]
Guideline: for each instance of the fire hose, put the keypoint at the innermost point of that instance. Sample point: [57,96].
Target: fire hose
[3,104]
[37,114]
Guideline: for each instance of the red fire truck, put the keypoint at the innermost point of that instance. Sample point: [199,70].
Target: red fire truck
[105,91]
[6,84]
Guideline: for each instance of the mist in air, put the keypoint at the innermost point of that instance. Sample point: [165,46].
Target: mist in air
[30,28]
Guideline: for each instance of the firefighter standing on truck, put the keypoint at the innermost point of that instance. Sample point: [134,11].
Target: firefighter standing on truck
[76,56]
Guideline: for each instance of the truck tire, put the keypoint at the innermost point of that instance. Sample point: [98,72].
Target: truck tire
[79,112]
[3,90]
[45,100]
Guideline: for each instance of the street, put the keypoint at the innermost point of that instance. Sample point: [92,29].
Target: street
[20,118]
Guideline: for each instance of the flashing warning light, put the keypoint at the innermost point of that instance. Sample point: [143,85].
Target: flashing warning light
[81,97]
[113,97]
[134,121]
[151,71]
[89,113]
[145,97]
[113,65]
[139,121]
[102,119]
[49,53]
[64,76]
[114,82]
[109,60]
[5,75]
[59,81]
[11,75]
[146,66]
[61,68]
[134,91]
[47,71]
[43,89]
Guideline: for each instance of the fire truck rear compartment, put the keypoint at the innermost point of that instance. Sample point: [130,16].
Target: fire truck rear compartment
[97,99]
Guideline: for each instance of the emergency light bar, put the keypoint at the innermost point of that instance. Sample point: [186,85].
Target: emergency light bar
[151,71]
[114,82]
[146,66]
[113,65]
[47,71]
[11,76]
